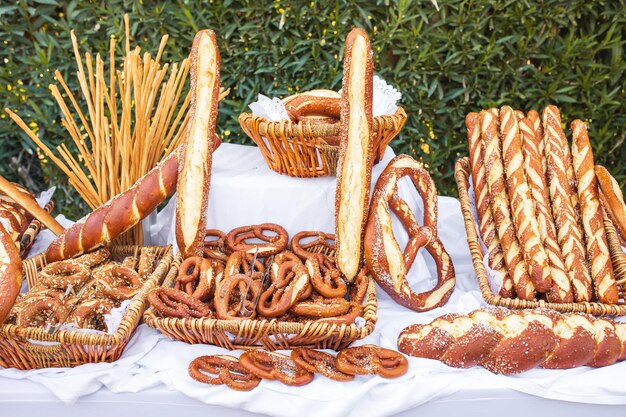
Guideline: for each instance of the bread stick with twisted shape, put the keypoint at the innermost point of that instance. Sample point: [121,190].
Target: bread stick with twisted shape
[486,224]
[561,186]
[386,261]
[592,217]
[510,342]
[10,273]
[499,201]
[533,116]
[612,201]
[522,206]
[561,291]
[195,170]
[354,167]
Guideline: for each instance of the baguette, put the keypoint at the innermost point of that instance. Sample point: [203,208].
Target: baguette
[612,201]
[11,273]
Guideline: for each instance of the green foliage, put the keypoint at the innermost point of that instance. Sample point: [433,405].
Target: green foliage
[447,59]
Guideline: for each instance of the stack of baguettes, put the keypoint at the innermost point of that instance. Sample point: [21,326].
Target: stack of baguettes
[541,206]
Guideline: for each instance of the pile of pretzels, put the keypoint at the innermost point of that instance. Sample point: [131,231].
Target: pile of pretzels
[246,372]
[541,206]
[250,274]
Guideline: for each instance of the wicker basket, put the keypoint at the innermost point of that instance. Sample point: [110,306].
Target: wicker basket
[462,174]
[299,149]
[263,334]
[68,348]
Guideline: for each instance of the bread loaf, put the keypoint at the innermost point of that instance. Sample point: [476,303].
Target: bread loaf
[11,273]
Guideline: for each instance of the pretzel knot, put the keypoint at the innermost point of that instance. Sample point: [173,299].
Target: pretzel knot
[386,261]
[320,363]
[171,302]
[227,371]
[235,295]
[94,258]
[41,311]
[239,263]
[63,273]
[322,248]
[118,282]
[369,360]
[284,292]
[89,314]
[331,284]
[197,277]
[275,366]
[270,244]
[215,248]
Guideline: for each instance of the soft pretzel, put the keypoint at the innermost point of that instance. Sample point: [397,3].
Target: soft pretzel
[612,201]
[320,363]
[147,257]
[117,282]
[370,359]
[236,294]
[171,302]
[197,277]
[314,106]
[62,274]
[500,207]
[355,153]
[283,294]
[89,314]
[227,371]
[312,248]
[195,170]
[329,284]
[486,223]
[561,291]
[273,365]
[272,243]
[42,311]
[215,248]
[562,189]
[509,342]
[386,261]
[10,273]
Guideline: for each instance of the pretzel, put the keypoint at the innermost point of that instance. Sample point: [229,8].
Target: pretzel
[15,222]
[275,366]
[40,312]
[371,360]
[215,248]
[561,291]
[10,273]
[331,285]
[325,241]
[236,239]
[612,201]
[592,217]
[95,258]
[63,274]
[387,263]
[499,200]
[283,294]
[197,277]
[564,204]
[117,282]
[229,297]
[486,223]
[171,302]
[227,371]
[323,308]
[146,262]
[508,342]
[239,262]
[319,362]
[356,153]
[90,313]
[195,170]
[315,106]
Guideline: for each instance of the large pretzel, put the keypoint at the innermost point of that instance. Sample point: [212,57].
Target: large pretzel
[386,261]
[270,244]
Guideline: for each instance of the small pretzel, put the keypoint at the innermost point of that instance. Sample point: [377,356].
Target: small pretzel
[171,302]
[229,297]
[320,363]
[41,311]
[215,248]
[275,366]
[239,263]
[94,258]
[117,282]
[321,307]
[331,285]
[236,239]
[226,369]
[63,274]
[322,240]
[146,262]
[276,300]
[90,313]
[372,360]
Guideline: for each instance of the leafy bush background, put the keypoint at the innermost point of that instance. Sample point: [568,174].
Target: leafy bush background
[447,57]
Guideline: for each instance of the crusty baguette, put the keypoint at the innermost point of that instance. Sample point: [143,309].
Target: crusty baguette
[612,201]
[561,291]
[561,187]
[486,223]
[499,200]
[10,273]
[354,166]
[592,217]
[195,169]
[522,206]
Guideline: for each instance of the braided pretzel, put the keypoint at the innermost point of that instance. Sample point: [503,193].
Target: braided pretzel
[320,363]
[236,239]
[41,311]
[215,248]
[228,372]
[275,366]
[62,274]
[171,302]
[229,295]
[387,263]
[372,360]
[117,282]
[508,342]
[321,240]
[239,262]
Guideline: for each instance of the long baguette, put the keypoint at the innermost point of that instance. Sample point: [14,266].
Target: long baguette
[612,201]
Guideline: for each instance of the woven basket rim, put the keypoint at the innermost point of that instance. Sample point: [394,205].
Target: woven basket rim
[461,173]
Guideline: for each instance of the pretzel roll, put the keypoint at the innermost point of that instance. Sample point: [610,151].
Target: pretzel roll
[612,200]
[354,167]
[10,273]
[500,207]
[561,291]
[561,187]
[486,223]
[592,217]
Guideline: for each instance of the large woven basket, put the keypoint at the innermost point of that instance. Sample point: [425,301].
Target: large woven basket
[299,149]
[34,348]
[263,334]
[462,174]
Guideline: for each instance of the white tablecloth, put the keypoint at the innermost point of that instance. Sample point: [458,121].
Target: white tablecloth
[245,191]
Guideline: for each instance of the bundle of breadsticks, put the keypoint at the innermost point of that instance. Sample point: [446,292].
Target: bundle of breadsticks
[541,207]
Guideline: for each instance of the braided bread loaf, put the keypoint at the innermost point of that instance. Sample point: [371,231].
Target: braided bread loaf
[509,342]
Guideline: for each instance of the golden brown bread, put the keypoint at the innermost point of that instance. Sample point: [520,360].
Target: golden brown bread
[10,273]
[612,201]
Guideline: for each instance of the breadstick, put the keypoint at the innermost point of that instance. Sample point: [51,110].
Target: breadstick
[561,186]
[612,201]
[522,206]
[592,218]
[561,291]
[486,224]
[500,205]
[195,171]
[533,116]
